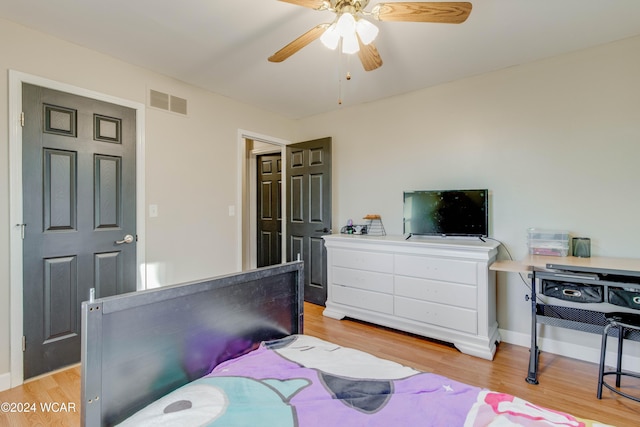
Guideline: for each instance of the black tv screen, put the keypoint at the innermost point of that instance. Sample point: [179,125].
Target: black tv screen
[446,213]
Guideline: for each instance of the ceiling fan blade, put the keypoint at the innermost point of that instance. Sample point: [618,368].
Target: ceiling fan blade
[313,4]
[369,56]
[441,12]
[298,43]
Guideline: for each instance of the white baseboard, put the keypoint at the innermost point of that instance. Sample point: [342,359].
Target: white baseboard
[5,381]
[575,351]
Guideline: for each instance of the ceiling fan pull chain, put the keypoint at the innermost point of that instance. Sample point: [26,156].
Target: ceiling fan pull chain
[340,89]
[339,53]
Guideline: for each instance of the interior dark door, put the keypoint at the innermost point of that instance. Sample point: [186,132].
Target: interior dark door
[309,216]
[79,190]
[269,204]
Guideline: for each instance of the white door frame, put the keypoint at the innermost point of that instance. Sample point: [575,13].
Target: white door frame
[246,191]
[16,79]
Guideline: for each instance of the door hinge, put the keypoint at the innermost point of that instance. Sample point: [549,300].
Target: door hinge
[24,343]
[22,119]
[22,226]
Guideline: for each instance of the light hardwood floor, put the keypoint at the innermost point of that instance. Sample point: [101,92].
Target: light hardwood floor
[28,402]
[565,384]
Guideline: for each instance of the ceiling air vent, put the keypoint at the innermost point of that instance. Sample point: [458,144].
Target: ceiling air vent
[167,102]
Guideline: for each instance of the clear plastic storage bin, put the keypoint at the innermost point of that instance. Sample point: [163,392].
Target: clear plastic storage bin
[548,242]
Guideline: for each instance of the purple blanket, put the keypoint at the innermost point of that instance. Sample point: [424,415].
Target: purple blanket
[304,381]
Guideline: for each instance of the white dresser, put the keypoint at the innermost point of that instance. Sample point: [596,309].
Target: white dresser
[439,288]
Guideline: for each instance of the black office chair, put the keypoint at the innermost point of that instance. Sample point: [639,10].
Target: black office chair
[622,322]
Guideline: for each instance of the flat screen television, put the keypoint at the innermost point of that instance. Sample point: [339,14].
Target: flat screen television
[446,213]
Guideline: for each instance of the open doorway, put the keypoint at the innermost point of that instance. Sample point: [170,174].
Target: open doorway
[251,147]
[305,206]
[268,209]
[266,203]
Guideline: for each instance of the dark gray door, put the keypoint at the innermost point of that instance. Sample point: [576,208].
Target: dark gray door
[309,216]
[79,203]
[269,209]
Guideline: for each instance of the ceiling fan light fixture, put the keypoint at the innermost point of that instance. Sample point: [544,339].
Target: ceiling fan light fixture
[366,30]
[350,43]
[330,37]
[346,25]
[352,28]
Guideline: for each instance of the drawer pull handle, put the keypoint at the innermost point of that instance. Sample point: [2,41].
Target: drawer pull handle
[636,300]
[572,293]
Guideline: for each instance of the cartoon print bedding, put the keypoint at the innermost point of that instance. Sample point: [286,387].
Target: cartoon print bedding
[302,381]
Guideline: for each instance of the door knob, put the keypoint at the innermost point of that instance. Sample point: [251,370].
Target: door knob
[324,230]
[127,239]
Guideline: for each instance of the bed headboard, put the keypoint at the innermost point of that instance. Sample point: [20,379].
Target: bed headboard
[139,346]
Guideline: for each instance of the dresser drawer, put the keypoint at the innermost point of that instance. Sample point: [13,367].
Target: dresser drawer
[449,270]
[374,301]
[438,292]
[362,260]
[368,280]
[448,317]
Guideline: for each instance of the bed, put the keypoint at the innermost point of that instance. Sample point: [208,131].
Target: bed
[231,351]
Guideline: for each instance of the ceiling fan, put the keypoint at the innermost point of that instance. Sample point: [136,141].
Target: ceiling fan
[354,33]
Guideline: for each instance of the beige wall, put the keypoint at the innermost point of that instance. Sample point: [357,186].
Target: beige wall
[191,162]
[557,143]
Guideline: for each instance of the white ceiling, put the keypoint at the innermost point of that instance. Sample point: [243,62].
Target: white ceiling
[223,45]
